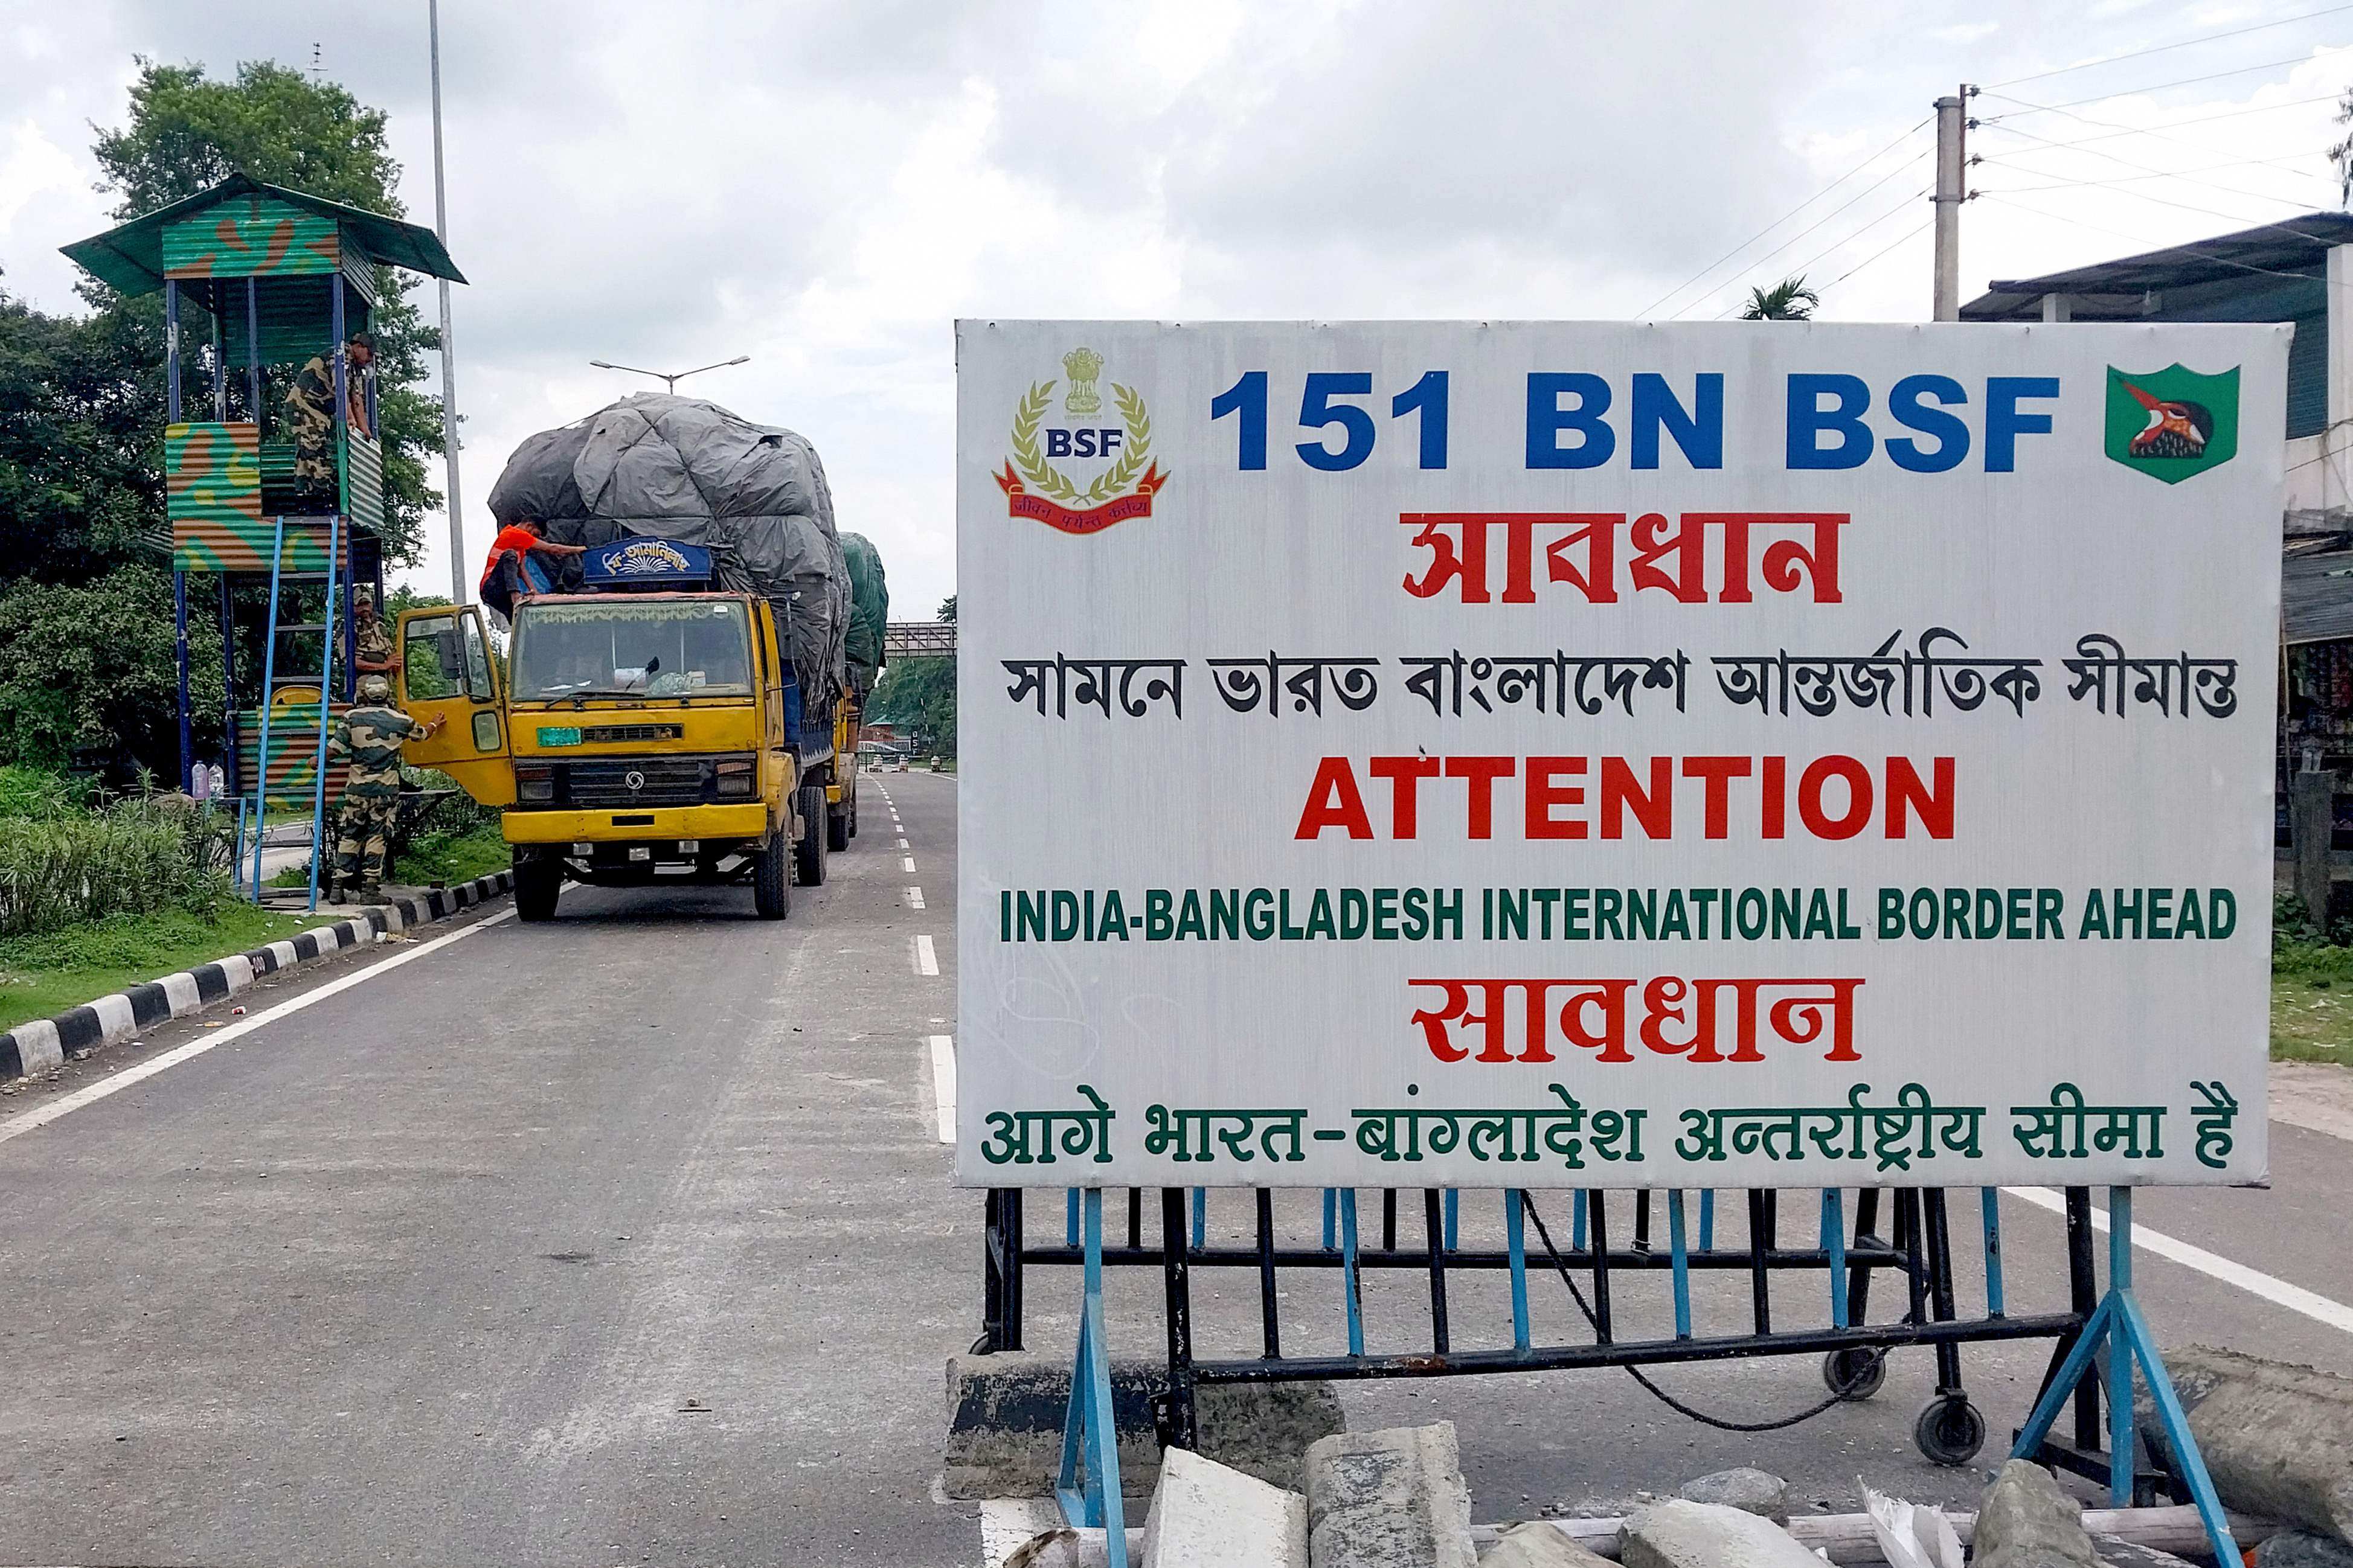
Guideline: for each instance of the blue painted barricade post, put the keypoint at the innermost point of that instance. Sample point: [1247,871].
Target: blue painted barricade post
[1088,1484]
[2117,1327]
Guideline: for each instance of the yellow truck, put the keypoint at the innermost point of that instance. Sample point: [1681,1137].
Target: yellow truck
[634,738]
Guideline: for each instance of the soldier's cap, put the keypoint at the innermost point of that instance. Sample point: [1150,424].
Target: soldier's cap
[364,341]
[363,596]
[375,687]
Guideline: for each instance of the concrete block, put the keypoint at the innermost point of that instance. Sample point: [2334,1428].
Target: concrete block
[1538,1545]
[2027,1521]
[2277,1438]
[1678,1533]
[1205,1515]
[1393,1499]
[1005,1424]
[1751,1491]
[2303,1549]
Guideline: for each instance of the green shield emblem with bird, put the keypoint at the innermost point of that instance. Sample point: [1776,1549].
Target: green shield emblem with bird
[2172,423]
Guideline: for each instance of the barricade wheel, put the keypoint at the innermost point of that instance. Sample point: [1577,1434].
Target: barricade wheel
[1854,1375]
[1949,1431]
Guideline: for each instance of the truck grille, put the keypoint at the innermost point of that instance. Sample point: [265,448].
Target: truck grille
[609,734]
[628,782]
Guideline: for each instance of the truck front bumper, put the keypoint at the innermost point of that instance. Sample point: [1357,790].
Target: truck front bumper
[747,821]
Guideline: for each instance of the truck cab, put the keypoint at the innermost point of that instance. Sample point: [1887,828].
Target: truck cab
[633,736]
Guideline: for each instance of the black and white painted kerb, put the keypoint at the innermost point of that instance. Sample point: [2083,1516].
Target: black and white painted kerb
[44,1044]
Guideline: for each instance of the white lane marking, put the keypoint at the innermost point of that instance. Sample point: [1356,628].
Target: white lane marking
[943,1084]
[2278,1292]
[903,844]
[914,898]
[907,864]
[32,1120]
[927,961]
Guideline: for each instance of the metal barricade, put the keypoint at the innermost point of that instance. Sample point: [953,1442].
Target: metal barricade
[1918,1248]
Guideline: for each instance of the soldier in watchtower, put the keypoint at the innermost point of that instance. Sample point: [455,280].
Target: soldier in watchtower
[310,413]
[368,736]
[373,652]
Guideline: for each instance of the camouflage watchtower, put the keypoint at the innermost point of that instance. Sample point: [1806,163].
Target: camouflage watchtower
[257,280]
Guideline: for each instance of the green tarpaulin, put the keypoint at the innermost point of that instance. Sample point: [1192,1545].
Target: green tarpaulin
[870,611]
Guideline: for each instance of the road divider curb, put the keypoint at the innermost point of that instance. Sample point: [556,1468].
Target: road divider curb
[44,1044]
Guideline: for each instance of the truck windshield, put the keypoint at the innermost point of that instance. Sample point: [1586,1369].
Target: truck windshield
[660,647]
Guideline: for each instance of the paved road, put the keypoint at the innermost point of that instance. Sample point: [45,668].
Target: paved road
[623,1238]
[627,1238]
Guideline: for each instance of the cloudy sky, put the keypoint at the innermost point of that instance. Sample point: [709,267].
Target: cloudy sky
[827,186]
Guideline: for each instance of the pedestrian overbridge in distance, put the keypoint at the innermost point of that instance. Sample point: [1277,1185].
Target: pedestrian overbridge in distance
[919,639]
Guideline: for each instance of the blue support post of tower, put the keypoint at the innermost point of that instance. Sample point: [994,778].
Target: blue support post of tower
[180,650]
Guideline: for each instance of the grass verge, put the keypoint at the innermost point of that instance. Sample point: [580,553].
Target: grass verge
[45,974]
[2312,1004]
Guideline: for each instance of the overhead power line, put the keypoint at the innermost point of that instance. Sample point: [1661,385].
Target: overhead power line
[2157,131]
[1802,268]
[2183,44]
[2159,87]
[2004,163]
[2192,247]
[2130,164]
[2161,201]
[1880,252]
[1753,266]
[1793,212]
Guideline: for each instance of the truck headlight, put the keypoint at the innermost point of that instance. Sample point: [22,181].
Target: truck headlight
[734,779]
[536,784]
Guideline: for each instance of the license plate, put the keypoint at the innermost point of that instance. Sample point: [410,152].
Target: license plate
[560,735]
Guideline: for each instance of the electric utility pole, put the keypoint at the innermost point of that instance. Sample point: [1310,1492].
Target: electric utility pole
[1952,162]
[448,346]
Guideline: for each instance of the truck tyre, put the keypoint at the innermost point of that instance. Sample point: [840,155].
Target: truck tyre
[853,812]
[808,855]
[837,827]
[538,883]
[772,878]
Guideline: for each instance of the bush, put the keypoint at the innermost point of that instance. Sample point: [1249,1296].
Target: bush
[32,793]
[75,867]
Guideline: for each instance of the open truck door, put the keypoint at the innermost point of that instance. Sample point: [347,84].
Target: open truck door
[447,673]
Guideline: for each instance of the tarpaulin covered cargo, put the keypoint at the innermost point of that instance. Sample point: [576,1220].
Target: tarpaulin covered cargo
[663,467]
[870,611]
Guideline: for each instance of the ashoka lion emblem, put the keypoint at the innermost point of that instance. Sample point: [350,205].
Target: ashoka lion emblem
[1078,502]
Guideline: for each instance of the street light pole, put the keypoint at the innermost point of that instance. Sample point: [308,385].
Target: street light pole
[448,345]
[670,379]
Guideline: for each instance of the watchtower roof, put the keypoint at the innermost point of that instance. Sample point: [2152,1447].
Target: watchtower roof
[132,257]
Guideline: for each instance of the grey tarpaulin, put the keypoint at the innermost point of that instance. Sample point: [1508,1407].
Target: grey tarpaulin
[678,468]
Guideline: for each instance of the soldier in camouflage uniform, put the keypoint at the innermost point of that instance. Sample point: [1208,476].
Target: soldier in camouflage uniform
[374,653]
[311,414]
[368,736]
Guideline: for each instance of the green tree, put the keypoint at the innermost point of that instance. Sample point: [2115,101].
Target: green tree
[187,132]
[1788,300]
[921,695]
[91,666]
[81,415]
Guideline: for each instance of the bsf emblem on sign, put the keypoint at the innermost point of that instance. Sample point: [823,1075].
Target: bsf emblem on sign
[2173,423]
[1120,478]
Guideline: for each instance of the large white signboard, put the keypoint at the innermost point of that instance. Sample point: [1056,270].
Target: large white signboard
[1591,754]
